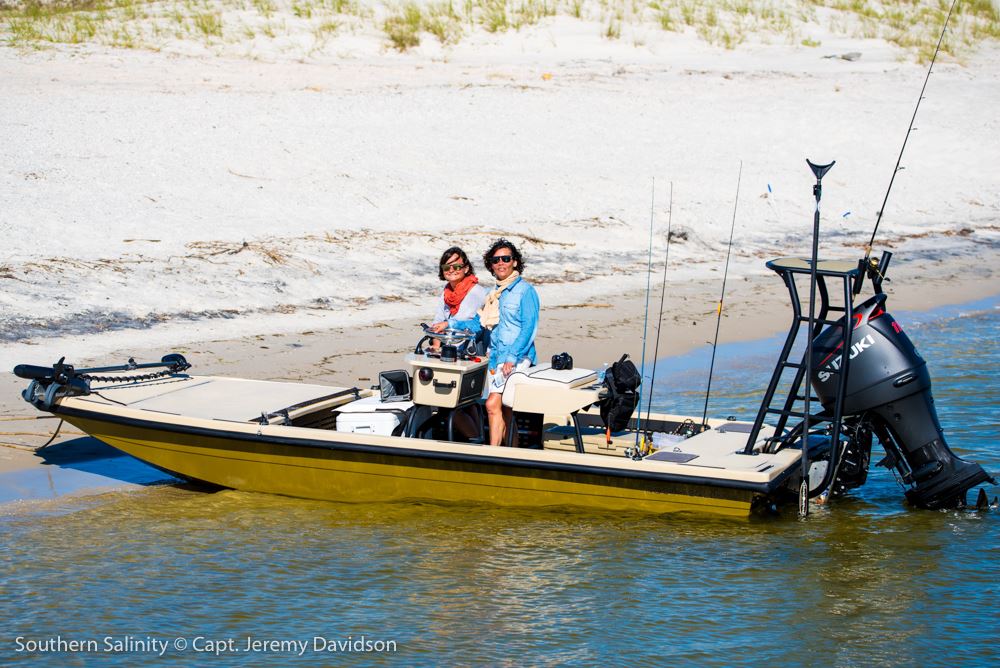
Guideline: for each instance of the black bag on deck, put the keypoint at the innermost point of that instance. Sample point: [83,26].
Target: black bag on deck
[622,380]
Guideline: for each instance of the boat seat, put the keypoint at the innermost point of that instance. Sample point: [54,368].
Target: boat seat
[542,389]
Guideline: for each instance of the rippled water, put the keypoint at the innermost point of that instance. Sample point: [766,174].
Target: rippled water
[866,581]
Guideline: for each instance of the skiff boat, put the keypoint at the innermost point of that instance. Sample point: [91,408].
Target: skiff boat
[357,445]
[421,434]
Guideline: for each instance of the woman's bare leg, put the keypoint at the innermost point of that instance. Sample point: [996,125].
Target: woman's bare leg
[495,412]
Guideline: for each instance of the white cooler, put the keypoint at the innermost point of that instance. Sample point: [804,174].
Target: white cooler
[371,416]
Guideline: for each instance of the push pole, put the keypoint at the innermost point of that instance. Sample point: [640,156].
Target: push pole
[819,171]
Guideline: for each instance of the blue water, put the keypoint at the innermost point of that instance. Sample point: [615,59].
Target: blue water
[864,581]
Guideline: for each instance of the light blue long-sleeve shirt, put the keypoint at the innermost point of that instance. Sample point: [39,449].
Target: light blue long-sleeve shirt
[513,339]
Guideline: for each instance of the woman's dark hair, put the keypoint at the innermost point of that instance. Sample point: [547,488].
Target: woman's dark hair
[514,253]
[454,250]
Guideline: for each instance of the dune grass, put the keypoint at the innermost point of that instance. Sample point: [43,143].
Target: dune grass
[406,24]
[913,25]
[151,24]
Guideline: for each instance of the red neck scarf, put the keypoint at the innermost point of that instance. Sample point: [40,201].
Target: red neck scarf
[453,297]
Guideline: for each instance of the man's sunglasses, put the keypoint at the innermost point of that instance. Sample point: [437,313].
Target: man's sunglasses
[497,259]
[452,267]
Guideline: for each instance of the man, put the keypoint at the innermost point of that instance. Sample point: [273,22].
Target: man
[511,312]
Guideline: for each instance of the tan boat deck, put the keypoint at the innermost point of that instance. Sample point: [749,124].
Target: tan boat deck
[208,401]
[229,399]
[710,449]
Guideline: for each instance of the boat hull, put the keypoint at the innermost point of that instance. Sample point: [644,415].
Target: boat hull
[328,470]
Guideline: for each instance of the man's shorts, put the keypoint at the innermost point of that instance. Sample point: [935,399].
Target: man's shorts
[496,380]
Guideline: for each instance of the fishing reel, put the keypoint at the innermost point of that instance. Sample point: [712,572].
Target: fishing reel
[637,452]
[869,267]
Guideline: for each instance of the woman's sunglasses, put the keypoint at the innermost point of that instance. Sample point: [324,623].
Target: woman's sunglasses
[497,259]
[452,267]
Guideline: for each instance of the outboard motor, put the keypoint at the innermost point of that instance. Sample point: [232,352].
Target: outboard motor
[889,387]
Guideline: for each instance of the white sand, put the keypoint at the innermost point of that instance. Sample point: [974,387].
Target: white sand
[132,179]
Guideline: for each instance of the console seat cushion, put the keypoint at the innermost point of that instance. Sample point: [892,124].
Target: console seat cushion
[543,375]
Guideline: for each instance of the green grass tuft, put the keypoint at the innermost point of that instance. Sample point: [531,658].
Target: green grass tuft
[208,24]
[403,29]
[613,30]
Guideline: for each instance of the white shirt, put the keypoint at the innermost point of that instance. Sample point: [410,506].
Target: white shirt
[474,300]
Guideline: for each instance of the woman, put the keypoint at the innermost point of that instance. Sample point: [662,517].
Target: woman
[511,312]
[462,297]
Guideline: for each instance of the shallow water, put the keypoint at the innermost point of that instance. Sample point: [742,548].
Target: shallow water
[865,581]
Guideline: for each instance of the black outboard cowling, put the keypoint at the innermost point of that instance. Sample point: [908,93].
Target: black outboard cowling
[888,385]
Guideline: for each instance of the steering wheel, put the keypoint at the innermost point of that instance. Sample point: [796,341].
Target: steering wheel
[459,338]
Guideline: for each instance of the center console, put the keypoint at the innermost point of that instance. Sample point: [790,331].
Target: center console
[446,384]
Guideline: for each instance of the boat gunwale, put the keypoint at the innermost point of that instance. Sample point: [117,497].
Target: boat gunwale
[764,488]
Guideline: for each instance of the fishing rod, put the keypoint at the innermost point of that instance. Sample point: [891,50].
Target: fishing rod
[663,292]
[718,319]
[868,249]
[645,318]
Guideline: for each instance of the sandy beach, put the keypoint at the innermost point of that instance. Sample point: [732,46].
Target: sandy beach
[279,216]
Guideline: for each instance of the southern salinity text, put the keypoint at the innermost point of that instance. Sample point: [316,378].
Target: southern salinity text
[203,644]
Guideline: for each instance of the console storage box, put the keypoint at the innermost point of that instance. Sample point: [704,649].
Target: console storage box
[451,384]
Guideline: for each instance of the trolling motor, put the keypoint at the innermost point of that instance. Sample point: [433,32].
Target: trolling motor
[64,380]
[889,394]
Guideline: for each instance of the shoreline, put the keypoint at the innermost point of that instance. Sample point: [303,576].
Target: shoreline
[593,333]
[755,303]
